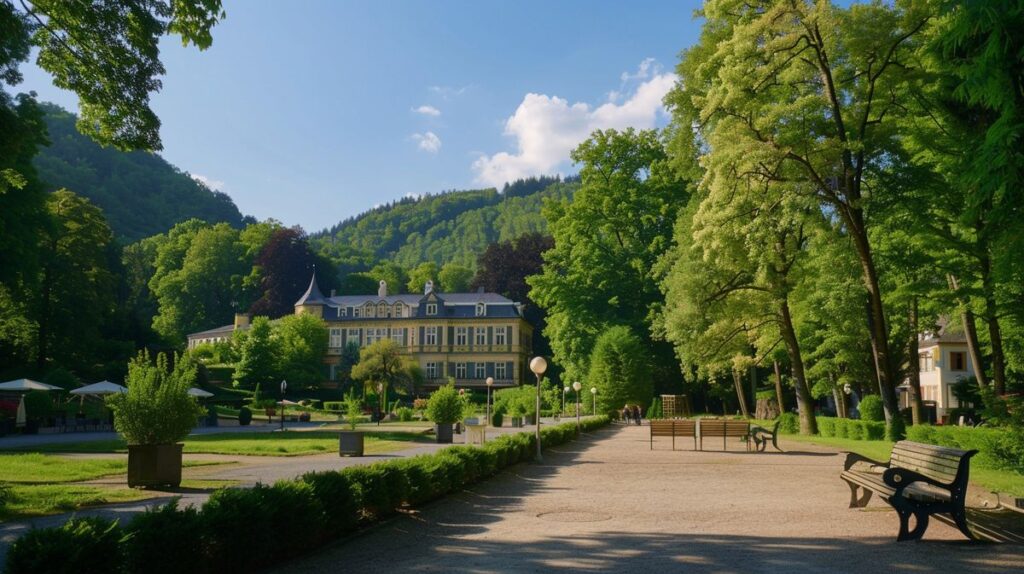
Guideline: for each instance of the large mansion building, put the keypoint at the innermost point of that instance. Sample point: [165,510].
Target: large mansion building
[468,336]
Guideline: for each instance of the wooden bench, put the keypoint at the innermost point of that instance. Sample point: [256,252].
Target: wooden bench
[713,428]
[919,480]
[761,436]
[674,428]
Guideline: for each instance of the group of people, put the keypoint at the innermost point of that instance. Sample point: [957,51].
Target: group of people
[632,414]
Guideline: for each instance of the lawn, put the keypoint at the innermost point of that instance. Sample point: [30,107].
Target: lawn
[28,500]
[38,468]
[997,480]
[295,443]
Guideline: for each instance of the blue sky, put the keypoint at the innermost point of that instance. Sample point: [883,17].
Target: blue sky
[310,112]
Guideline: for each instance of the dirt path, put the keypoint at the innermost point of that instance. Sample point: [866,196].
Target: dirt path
[608,503]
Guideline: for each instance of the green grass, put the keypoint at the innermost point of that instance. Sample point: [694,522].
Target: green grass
[41,499]
[997,480]
[295,443]
[36,468]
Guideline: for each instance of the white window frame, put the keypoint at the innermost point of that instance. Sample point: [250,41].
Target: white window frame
[481,309]
[353,336]
[461,371]
[343,312]
[479,371]
[335,338]
[399,310]
[430,336]
[480,338]
[431,308]
[431,370]
[499,371]
[500,336]
[357,312]
[462,336]
[370,337]
[398,336]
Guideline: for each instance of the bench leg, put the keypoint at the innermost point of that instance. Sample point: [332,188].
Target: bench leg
[858,501]
[921,524]
[960,517]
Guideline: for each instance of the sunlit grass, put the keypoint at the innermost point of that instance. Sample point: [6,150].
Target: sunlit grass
[27,500]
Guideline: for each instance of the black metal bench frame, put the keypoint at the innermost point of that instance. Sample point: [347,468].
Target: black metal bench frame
[761,436]
[902,487]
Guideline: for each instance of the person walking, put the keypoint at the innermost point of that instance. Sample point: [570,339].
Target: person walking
[636,414]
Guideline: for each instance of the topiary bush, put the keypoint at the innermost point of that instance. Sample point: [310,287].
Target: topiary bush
[90,545]
[165,540]
[336,494]
[870,408]
[244,416]
[826,426]
[445,405]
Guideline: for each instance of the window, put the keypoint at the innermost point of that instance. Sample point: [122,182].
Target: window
[343,311]
[353,336]
[926,362]
[958,361]
[461,336]
[500,337]
[460,370]
[499,371]
[481,309]
[399,310]
[398,336]
[481,336]
[382,310]
[335,339]
[431,308]
[431,370]
[368,310]
[371,337]
[479,371]
[357,312]
[430,336]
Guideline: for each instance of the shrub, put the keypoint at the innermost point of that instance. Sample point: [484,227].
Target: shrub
[998,448]
[873,430]
[337,406]
[870,408]
[498,417]
[789,423]
[854,430]
[335,492]
[896,429]
[841,428]
[353,409]
[404,414]
[380,488]
[38,405]
[620,370]
[827,426]
[238,530]
[445,405]
[165,540]
[244,416]
[157,408]
[81,546]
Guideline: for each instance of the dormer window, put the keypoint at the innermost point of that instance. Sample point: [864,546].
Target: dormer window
[481,309]
[381,310]
[431,308]
[399,310]
[343,311]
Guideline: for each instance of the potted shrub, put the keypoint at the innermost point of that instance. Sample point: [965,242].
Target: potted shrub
[350,442]
[153,416]
[444,409]
[498,416]
[518,412]
[244,416]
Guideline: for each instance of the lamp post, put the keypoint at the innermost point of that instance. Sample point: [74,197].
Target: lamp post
[284,387]
[538,365]
[576,387]
[490,383]
[382,400]
[564,392]
[593,391]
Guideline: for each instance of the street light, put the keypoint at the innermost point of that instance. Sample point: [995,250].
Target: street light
[538,365]
[284,387]
[490,383]
[564,392]
[382,400]
[576,387]
[593,391]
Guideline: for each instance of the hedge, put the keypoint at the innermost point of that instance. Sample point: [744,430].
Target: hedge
[242,529]
[851,428]
[998,448]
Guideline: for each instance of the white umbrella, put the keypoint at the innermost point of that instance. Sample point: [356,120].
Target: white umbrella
[100,388]
[25,385]
[199,393]
[20,418]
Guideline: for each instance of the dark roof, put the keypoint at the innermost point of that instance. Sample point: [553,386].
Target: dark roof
[946,333]
[312,296]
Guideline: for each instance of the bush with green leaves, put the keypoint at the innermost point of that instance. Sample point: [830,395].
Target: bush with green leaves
[353,409]
[157,408]
[404,414]
[998,448]
[90,545]
[620,370]
[244,416]
[870,408]
[163,540]
[789,423]
[445,405]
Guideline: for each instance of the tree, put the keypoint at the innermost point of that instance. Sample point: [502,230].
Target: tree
[392,273]
[419,276]
[455,278]
[383,363]
[806,94]
[257,361]
[300,343]
[285,265]
[607,241]
[619,370]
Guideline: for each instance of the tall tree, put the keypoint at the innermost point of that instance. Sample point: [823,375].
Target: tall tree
[300,343]
[455,278]
[383,363]
[419,276]
[257,362]
[619,370]
[285,264]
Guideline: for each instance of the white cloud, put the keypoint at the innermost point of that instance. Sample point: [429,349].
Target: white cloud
[448,92]
[427,111]
[214,184]
[547,128]
[428,142]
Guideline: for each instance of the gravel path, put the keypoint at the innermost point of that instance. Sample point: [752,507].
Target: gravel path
[608,503]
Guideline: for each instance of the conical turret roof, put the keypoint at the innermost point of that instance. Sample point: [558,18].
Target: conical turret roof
[312,296]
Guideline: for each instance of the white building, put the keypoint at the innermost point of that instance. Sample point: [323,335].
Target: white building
[943,360]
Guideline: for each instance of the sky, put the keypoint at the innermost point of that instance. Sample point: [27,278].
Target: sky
[310,112]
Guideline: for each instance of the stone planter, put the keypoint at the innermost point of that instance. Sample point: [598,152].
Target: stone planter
[531,419]
[350,443]
[517,422]
[444,433]
[151,465]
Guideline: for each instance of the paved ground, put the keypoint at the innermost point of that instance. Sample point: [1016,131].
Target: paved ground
[31,440]
[609,504]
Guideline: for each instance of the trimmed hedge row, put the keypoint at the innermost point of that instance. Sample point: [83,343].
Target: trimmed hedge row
[851,428]
[998,448]
[241,529]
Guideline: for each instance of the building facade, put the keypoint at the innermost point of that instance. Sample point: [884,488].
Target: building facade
[466,336]
[943,360]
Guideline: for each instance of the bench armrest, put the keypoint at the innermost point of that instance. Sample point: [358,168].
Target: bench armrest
[900,478]
[853,458]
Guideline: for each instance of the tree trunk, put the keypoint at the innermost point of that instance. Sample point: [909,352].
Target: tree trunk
[837,396]
[778,387]
[737,381]
[994,332]
[808,424]
[914,368]
[970,332]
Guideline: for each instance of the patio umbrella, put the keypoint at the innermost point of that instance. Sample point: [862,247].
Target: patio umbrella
[100,388]
[199,393]
[20,418]
[25,385]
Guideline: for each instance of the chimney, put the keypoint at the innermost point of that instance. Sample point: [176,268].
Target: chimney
[241,320]
[428,288]
[382,291]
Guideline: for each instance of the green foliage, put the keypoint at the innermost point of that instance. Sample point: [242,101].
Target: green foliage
[353,409]
[90,545]
[851,428]
[157,408]
[38,405]
[455,278]
[789,423]
[619,370]
[870,408]
[384,363]
[244,416]
[445,406]
[896,429]
[998,448]
[404,414]
[300,343]
[256,356]
[164,540]
[654,411]
[419,275]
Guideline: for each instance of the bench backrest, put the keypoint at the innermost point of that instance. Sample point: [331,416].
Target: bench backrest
[938,462]
[720,427]
[737,428]
[661,428]
[685,427]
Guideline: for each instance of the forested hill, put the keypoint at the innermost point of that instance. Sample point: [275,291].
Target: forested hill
[139,192]
[454,226]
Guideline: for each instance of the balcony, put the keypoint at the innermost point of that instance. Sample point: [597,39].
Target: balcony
[433,383]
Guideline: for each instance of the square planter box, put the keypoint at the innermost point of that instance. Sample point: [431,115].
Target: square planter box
[350,443]
[443,433]
[153,465]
